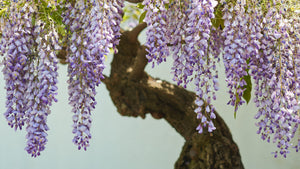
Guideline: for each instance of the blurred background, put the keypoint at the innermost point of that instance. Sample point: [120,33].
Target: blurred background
[129,143]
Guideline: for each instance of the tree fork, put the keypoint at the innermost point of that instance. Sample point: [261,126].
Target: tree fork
[137,96]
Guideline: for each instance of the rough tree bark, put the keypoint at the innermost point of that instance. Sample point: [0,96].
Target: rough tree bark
[135,93]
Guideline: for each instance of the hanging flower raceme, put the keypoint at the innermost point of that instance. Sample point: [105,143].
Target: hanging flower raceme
[156,40]
[277,84]
[235,55]
[115,13]
[200,61]
[16,46]
[41,89]
[30,73]
[186,27]
[262,71]
[177,19]
[94,31]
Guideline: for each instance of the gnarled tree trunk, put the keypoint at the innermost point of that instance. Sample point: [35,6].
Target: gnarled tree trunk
[135,93]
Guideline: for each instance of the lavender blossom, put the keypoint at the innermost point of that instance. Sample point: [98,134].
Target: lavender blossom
[186,27]
[157,41]
[275,75]
[177,19]
[30,72]
[16,46]
[94,32]
[199,60]
[235,50]
[41,88]
[115,13]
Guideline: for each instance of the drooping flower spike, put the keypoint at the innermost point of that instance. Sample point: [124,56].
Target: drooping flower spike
[94,28]
[30,66]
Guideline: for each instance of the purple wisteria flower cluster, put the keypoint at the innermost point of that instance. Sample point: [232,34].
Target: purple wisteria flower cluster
[94,27]
[184,29]
[275,69]
[235,50]
[30,66]
[16,44]
[41,77]
[29,45]
[256,38]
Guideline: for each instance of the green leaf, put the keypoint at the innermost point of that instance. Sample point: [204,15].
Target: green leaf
[167,6]
[56,16]
[247,78]
[142,17]
[3,11]
[246,95]
[218,22]
[247,92]
[236,103]
[140,5]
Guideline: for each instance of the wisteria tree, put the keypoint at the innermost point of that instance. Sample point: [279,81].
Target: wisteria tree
[256,40]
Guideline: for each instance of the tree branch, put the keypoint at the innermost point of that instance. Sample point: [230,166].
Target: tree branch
[139,65]
[138,96]
[134,33]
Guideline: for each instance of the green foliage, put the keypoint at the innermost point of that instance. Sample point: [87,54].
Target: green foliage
[248,87]
[247,92]
[140,6]
[132,12]
[50,14]
[47,12]
[218,22]
[142,17]
[236,103]
[3,11]
[3,7]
